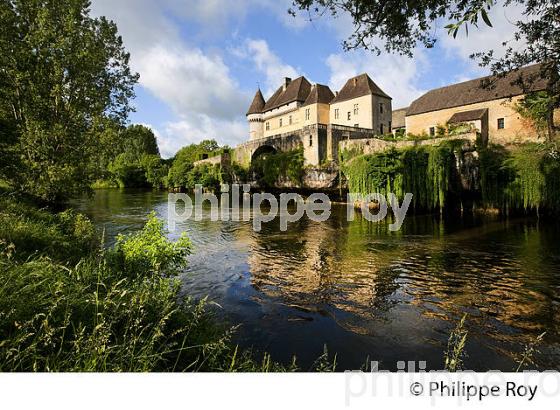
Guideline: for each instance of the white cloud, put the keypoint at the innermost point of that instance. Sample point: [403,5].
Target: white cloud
[484,38]
[196,128]
[196,84]
[396,75]
[267,63]
[190,81]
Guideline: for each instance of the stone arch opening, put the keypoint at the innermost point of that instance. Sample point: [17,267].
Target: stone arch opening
[263,150]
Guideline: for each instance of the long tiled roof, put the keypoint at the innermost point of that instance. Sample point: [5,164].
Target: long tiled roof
[488,88]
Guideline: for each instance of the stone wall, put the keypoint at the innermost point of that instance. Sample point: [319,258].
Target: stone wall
[374,145]
[223,160]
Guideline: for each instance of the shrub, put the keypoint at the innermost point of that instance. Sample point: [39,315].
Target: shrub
[149,250]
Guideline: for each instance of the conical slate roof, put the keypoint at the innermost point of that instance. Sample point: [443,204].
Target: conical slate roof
[258,103]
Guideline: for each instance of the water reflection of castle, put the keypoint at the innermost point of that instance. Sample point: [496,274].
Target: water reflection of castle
[357,272]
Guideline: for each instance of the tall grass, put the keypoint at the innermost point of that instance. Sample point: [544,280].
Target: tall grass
[68,304]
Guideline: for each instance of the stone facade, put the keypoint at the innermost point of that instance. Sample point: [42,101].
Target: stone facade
[311,117]
[315,117]
[515,128]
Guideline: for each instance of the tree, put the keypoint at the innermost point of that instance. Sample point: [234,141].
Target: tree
[139,140]
[63,75]
[403,24]
[185,158]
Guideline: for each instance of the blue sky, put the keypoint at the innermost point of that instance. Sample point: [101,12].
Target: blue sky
[200,61]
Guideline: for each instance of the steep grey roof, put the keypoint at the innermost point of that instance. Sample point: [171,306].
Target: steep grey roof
[467,116]
[358,87]
[398,118]
[526,79]
[320,94]
[296,90]
[257,105]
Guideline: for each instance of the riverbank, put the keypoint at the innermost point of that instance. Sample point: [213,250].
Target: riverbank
[70,304]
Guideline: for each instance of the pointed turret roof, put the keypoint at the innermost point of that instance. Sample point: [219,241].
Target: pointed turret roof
[320,94]
[258,103]
[358,87]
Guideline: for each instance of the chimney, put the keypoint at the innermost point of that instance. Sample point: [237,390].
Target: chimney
[287,81]
[336,93]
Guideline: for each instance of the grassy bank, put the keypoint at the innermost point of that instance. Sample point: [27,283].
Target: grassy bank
[68,304]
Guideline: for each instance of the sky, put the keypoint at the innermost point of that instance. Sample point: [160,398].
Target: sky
[201,62]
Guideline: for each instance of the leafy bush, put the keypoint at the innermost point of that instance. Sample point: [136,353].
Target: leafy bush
[149,250]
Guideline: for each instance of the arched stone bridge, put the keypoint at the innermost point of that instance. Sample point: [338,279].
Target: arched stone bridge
[245,153]
[319,143]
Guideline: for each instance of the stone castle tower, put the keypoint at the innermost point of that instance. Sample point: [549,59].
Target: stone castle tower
[255,116]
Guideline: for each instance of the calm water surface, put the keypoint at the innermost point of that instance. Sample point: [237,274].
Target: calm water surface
[367,292]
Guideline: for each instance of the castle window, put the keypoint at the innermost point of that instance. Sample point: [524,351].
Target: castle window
[501,123]
[311,140]
[355,109]
[349,115]
[336,114]
[290,120]
[307,114]
[280,122]
[381,129]
[432,131]
[267,126]
[381,108]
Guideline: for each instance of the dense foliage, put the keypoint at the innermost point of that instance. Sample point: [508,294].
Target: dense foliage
[527,177]
[63,76]
[87,308]
[184,174]
[522,178]
[426,172]
[129,157]
[273,168]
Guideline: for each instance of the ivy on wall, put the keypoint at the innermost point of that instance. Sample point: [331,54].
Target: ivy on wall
[271,168]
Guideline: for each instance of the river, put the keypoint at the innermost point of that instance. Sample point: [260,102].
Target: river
[365,292]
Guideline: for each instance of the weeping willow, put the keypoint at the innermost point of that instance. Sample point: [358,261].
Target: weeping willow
[526,178]
[425,172]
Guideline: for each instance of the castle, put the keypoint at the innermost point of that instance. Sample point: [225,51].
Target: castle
[311,115]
